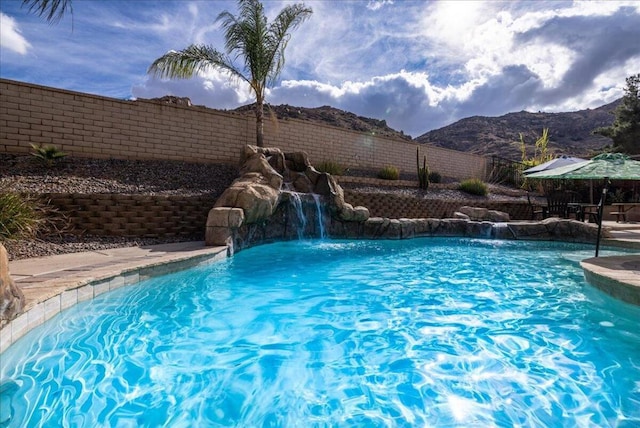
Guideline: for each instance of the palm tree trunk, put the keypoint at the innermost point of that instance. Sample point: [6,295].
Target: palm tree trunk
[259,123]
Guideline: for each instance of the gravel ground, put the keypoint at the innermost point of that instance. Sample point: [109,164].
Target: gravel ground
[77,175]
[89,176]
[443,192]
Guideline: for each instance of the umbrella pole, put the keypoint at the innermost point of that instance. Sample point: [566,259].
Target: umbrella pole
[600,212]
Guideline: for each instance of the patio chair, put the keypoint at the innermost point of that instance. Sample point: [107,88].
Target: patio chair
[557,204]
[536,210]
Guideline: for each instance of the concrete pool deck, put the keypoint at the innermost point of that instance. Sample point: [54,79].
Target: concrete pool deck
[52,284]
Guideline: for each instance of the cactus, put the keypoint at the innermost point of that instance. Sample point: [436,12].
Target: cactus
[423,173]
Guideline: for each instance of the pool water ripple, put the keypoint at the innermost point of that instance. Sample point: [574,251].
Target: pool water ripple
[429,332]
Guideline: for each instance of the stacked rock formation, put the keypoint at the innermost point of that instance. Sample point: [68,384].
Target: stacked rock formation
[251,203]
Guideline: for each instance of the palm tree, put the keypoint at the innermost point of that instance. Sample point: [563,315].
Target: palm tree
[248,36]
[53,9]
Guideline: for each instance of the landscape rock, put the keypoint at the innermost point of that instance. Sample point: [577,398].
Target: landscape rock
[11,297]
[481,214]
[298,161]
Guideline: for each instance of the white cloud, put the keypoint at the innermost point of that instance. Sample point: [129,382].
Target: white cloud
[424,65]
[378,4]
[11,37]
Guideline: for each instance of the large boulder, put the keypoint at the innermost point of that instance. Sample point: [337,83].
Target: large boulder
[327,186]
[351,213]
[259,164]
[481,214]
[11,297]
[297,161]
[257,199]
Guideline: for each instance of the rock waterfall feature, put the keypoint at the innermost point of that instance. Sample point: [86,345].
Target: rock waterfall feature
[278,196]
[282,196]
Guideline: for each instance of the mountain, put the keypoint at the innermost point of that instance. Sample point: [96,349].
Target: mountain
[569,133]
[329,116]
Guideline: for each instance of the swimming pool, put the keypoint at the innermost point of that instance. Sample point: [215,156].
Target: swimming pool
[435,332]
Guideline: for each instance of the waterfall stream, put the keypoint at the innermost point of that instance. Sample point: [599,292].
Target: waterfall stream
[302,218]
[299,207]
[316,199]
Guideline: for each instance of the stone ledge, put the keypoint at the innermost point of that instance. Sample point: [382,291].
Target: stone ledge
[618,276]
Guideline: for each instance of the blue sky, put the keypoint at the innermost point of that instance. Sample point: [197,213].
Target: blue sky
[419,65]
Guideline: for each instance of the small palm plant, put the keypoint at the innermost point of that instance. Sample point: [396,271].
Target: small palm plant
[47,154]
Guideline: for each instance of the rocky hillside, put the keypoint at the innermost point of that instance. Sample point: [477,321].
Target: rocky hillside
[569,133]
[330,116]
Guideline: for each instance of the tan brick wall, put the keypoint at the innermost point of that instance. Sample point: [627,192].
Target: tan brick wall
[92,126]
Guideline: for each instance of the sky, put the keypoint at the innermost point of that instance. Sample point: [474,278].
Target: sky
[419,65]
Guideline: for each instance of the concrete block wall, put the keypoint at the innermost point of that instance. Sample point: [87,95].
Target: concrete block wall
[398,206]
[92,126]
[133,215]
[97,127]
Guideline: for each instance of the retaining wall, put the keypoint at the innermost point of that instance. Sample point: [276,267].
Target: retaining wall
[133,215]
[162,216]
[398,206]
[99,127]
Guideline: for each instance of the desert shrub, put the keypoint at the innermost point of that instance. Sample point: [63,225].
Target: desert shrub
[47,154]
[435,177]
[474,186]
[19,216]
[330,167]
[389,172]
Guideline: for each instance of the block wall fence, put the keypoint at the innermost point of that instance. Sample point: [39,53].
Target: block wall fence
[85,125]
[147,216]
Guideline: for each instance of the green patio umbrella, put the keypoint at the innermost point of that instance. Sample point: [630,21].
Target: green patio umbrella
[607,166]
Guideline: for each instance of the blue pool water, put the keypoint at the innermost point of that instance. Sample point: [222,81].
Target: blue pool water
[426,332]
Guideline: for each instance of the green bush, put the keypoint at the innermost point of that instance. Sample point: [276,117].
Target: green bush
[47,154]
[389,172]
[19,216]
[330,167]
[435,177]
[474,186]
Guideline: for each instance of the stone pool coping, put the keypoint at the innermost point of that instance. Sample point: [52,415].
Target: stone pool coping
[54,283]
[618,276]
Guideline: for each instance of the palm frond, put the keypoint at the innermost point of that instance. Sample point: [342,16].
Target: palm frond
[54,10]
[191,61]
[287,20]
